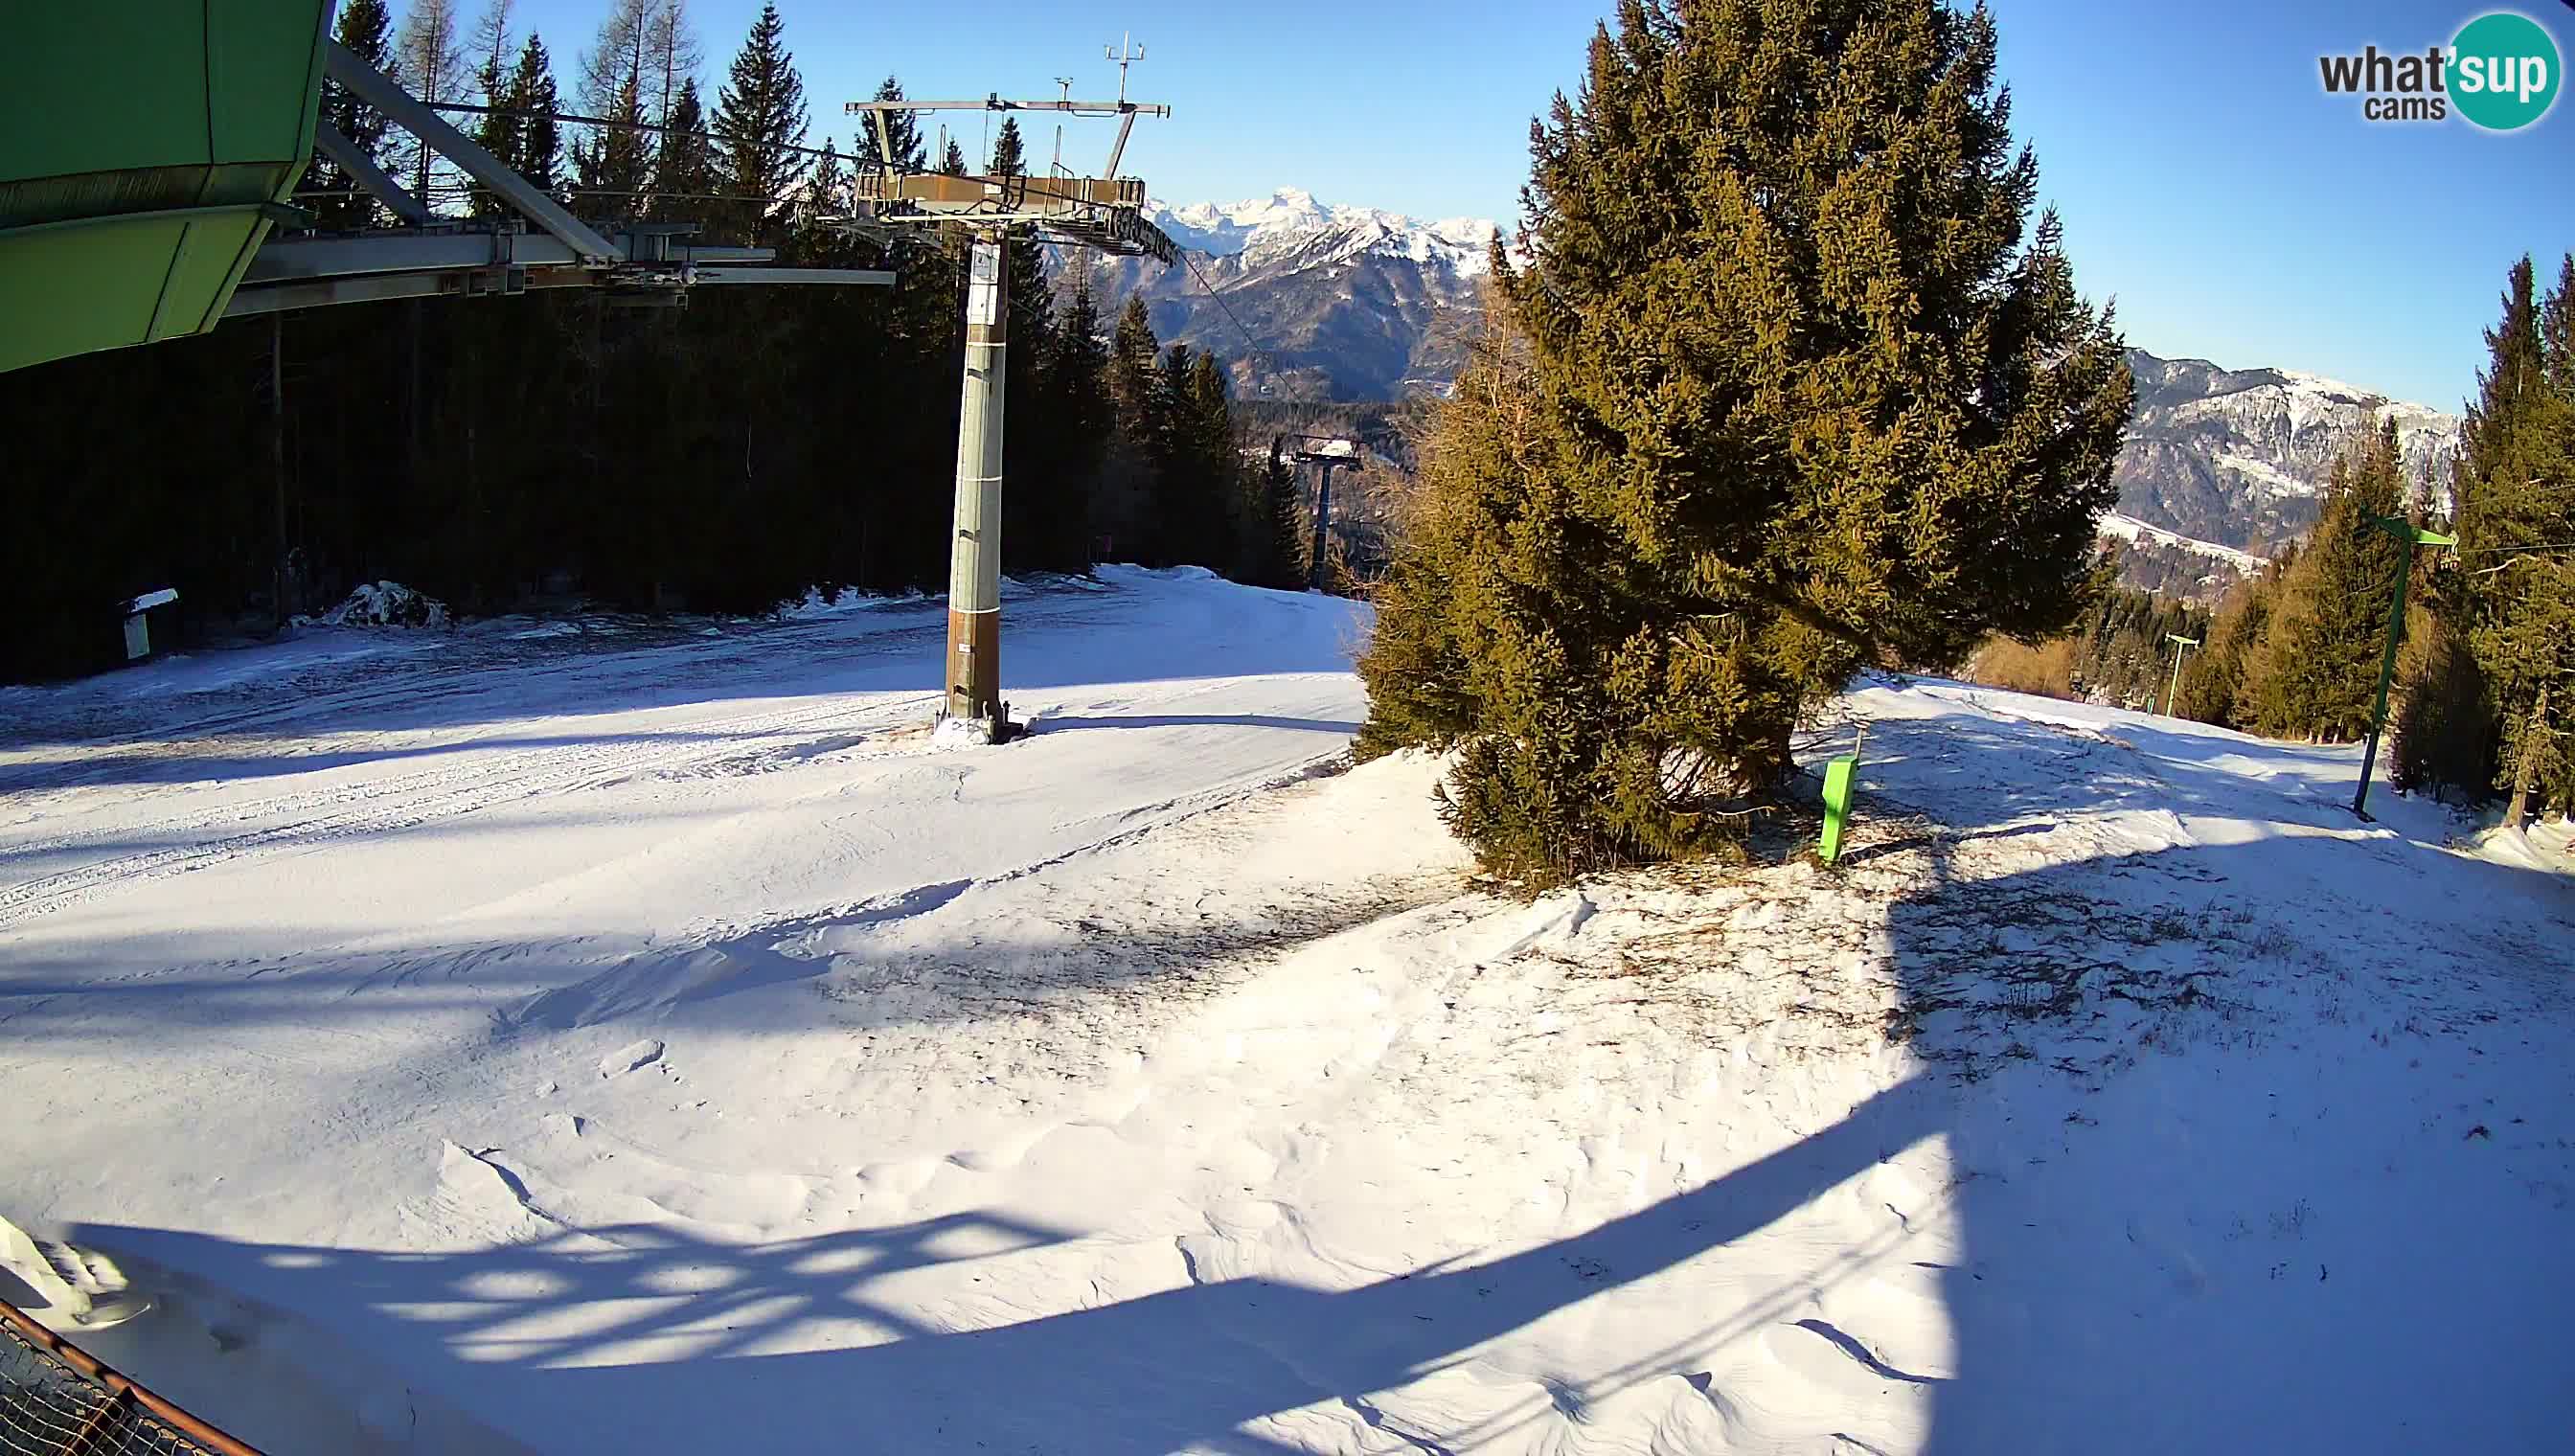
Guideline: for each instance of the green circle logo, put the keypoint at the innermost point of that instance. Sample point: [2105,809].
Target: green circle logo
[2504,71]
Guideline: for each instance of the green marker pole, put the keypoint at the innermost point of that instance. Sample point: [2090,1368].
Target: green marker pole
[2405,532]
[2181,644]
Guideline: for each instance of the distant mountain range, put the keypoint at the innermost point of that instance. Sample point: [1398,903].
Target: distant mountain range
[1311,301]
[2222,467]
[1308,299]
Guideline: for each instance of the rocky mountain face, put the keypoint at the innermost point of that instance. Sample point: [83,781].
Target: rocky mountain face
[2239,457]
[1340,302]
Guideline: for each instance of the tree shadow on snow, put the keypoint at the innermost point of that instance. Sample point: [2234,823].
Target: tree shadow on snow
[2186,1212]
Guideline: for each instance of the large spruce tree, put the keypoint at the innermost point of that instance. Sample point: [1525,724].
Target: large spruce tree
[2516,495]
[760,124]
[537,142]
[2315,673]
[1798,388]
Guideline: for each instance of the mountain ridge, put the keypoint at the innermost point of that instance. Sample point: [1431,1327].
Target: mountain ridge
[1311,300]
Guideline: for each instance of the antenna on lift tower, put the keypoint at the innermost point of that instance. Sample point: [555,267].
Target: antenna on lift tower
[1126,53]
[1106,213]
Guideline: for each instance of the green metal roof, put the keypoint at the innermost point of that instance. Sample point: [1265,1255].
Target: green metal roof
[144,155]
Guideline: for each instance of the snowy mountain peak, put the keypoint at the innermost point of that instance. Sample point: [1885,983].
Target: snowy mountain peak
[1292,226]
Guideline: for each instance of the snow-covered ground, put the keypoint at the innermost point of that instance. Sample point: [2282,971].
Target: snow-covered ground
[633,1037]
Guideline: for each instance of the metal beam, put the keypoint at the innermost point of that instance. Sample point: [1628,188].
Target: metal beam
[284,258]
[379,91]
[346,155]
[706,275]
[251,300]
[1125,124]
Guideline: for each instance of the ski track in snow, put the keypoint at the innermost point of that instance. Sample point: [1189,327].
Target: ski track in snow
[582,1050]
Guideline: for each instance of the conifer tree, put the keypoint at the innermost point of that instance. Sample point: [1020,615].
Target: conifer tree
[1007,158]
[902,128]
[1273,526]
[673,56]
[953,160]
[2315,673]
[2212,682]
[2515,486]
[761,120]
[536,143]
[498,129]
[364,28]
[684,166]
[1130,477]
[1076,364]
[429,55]
[1805,390]
[614,165]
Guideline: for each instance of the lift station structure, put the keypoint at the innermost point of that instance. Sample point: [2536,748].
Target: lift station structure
[1103,213]
[148,171]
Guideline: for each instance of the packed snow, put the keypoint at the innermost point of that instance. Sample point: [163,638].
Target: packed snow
[637,1038]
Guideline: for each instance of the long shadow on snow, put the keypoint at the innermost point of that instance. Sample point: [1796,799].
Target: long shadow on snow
[2103,1299]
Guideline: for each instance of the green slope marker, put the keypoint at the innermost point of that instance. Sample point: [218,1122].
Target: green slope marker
[1838,798]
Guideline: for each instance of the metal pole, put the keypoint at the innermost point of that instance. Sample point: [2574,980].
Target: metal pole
[2386,672]
[1322,520]
[974,570]
[2408,536]
[2172,695]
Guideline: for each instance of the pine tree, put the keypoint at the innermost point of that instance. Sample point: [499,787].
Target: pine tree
[2516,490]
[537,146]
[500,127]
[902,128]
[363,28]
[1273,526]
[614,165]
[953,160]
[684,171]
[1075,369]
[1131,487]
[1008,159]
[673,56]
[2315,673]
[1805,390]
[430,59]
[760,121]
[2212,682]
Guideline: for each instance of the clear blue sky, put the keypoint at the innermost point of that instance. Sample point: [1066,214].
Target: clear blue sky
[2234,211]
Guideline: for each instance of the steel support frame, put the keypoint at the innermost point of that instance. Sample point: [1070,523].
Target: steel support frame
[347,156]
[380,91]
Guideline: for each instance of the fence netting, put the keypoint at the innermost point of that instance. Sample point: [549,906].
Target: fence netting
[51,1407]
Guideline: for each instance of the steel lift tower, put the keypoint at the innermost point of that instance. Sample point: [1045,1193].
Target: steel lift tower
[1104,213]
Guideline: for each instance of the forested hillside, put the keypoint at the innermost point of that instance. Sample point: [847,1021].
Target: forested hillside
[719,456]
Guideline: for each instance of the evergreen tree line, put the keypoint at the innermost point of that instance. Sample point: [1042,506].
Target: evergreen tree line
[1788,385]
[722,455]
[2121,653]
[2295,651]
[2483,701]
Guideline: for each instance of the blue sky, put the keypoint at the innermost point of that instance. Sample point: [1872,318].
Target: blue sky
[2234,210]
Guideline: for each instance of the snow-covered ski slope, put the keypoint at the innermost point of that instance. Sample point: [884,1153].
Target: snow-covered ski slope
[637,1038]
